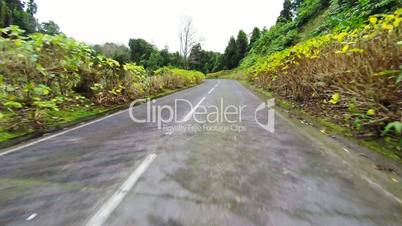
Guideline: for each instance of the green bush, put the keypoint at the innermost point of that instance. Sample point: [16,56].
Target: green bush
[42,73]
[179,78]
[346,76]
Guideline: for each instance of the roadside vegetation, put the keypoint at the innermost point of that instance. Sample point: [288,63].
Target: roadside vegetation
[50,79]
[337,60]
[352,76]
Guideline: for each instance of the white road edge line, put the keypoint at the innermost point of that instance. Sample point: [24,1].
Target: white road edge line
[190,114]
[58,134]
[370,182]
[380,188]
[113,202]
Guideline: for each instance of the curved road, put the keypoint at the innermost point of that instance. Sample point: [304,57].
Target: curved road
[114,171]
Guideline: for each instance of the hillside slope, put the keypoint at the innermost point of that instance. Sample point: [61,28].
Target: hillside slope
[311,18]
[338,60]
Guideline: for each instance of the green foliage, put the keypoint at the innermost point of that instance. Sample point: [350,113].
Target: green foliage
[328,74]
[337,15]
[230,56]
[50,28]
[141,51]
[286,13]
[147,55]
[255,35]
[309,9]
[119,53]
[396,127]
[277,38]
[16,12]
[204,61]
[242,45]
[43,73]
[237,49]
[12,104]
[178,78]
[345,14]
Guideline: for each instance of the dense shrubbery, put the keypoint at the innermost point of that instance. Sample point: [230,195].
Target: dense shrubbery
[41,73]
[354,76]
[333,59]
[174,78]
[219,74]
[332,15]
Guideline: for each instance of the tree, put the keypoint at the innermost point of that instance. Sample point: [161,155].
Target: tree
[255,35]
[242,45]
[120,53]
[195,56]
[50,28]
[155,61]
[140,50]
[286,13]
[176,59]
[187,37]
[32,8]
[235,51]
[204,61]
[296,4]
[229,58]
[12,12]
[210,61]
[165,56]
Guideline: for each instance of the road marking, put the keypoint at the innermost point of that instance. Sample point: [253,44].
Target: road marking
[31,217]
[190,114]
[211,90]
[380,188]
[113,202]
[58,134]
[371,183]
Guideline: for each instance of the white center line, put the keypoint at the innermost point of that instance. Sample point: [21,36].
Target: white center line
[213,88]
[190,114]
[113,202]
[31,217]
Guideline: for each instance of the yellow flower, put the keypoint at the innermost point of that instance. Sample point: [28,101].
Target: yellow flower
[373,20]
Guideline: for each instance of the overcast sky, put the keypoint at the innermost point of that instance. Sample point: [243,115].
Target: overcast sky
[157,21]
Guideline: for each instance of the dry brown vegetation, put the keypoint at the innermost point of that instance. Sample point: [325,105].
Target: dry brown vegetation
[350,77]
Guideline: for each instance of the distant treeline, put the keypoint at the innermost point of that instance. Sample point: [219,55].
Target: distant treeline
[144,53]
[139,51]
[22,13]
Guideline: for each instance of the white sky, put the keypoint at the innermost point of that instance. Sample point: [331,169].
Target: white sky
[157,21]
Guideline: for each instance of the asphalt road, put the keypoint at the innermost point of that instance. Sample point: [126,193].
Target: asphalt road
[119,172]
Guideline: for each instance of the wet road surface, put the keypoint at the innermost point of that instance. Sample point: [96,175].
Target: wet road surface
[203,173]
